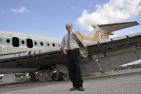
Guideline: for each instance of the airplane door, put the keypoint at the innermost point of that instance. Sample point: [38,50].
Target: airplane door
[29,45]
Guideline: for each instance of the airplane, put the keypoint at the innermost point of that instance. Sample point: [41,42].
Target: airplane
[42,58]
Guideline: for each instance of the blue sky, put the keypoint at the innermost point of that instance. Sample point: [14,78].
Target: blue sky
[48,17]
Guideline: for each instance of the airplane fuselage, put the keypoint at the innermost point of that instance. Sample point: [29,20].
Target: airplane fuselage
[24,44]
[17,45]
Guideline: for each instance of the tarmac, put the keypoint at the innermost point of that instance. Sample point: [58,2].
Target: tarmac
[122,82]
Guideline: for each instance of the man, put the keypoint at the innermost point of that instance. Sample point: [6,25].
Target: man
[70,47]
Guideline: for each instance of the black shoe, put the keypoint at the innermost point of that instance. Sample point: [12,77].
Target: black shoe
[73,88]
[81,89]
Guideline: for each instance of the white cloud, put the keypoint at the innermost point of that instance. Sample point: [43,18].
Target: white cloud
[20,10]
[112,11]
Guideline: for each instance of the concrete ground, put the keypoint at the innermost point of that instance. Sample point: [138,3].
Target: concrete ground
[129,83]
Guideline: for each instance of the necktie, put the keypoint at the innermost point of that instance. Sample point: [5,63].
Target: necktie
[68,41]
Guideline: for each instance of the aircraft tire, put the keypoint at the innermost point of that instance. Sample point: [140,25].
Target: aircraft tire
[57,76]
[33,77]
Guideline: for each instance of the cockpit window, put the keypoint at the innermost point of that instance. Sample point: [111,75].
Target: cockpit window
[15,42]
[29,43]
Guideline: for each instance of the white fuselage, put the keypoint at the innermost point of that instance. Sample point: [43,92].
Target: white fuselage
[17,44]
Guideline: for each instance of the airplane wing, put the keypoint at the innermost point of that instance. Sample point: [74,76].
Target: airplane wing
[116,26]
[117,51]
[33,61]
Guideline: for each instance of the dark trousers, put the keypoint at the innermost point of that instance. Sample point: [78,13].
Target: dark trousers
[74,68]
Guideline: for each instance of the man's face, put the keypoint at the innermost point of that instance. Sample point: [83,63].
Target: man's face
[69,28]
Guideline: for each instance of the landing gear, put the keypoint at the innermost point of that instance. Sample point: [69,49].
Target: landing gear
[56,75]
[50,74]
[33,76]
[96,59]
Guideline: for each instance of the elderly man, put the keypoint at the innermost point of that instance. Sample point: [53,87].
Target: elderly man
[70,47]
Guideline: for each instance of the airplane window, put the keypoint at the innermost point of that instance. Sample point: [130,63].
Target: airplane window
[47,44]
[22,41]
[8,40]
[41,43]
[15,42]
[53,45]
[29,43]
[35,43]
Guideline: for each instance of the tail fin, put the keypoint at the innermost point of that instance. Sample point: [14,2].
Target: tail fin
[104,30]
[115,26]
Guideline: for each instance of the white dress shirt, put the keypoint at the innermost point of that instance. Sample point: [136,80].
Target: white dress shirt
[68,43]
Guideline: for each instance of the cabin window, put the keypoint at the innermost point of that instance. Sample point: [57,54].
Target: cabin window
[23,42]
[15,42]
[29,43]
[35,43]
[41,43]
[7,40]
[53,45]
[47,44]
